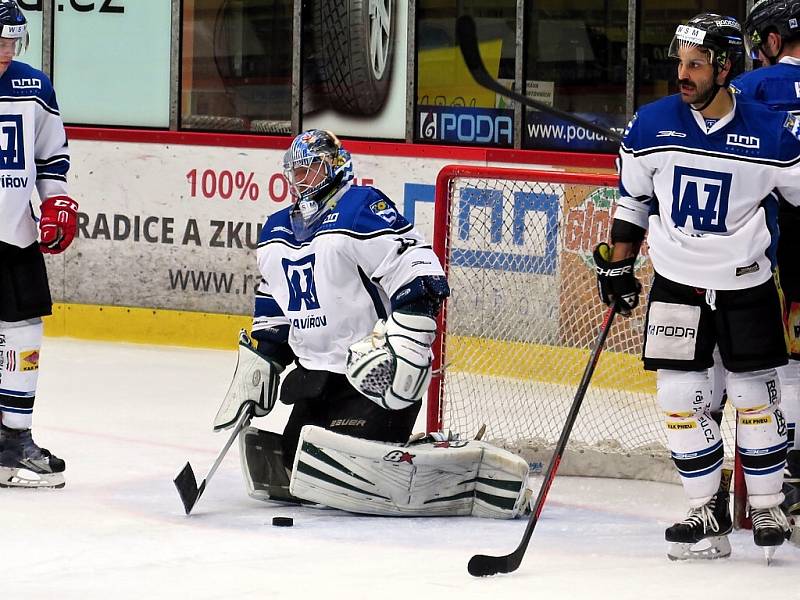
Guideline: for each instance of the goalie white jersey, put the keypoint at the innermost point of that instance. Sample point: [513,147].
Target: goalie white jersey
[707,195]
[332,288]
[33,150]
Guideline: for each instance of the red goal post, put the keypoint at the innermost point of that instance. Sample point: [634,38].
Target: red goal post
[515,334]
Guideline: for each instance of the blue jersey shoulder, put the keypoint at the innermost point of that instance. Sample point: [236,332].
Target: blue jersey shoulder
[360,210]
[755,132]
[277,227]
[364,210]
[777,86]
[662,122]
[21,79]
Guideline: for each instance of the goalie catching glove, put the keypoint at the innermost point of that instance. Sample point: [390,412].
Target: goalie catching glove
[392,366]
[255,382]
[615,280]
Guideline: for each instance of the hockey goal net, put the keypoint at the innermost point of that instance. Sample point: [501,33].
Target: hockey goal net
[524,312]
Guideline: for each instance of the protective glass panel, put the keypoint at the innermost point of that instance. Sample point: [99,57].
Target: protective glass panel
[236,73]
[354,67]
[576,62]
[451,106]
[111,62]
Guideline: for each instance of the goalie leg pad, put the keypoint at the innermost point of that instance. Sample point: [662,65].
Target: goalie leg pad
[261,458]
[761,434]
[693,436]
[438,479]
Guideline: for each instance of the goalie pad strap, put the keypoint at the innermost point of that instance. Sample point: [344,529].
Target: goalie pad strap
[456,478]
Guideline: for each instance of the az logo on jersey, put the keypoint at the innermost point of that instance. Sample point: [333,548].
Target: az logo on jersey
[702,197]
[12,146]
[302,289]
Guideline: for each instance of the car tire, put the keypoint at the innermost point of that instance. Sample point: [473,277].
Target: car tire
[353,44]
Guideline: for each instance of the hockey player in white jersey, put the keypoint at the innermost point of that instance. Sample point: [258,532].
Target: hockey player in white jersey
[349,293]
[33,155]
[697,173]
[772,37]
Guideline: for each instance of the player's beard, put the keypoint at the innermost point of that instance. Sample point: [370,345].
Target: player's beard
[702,94]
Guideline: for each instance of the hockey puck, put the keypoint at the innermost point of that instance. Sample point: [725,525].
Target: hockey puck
[282,521]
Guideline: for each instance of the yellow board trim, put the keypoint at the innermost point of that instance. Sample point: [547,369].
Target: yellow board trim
[541,362]
[145,325]
[497,358]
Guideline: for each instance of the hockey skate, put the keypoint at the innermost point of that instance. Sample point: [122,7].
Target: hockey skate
[770,528]
[703,534]
[23,464]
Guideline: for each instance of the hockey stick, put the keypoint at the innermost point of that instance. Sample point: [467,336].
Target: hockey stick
[468,42]
[185,481]
[482,565]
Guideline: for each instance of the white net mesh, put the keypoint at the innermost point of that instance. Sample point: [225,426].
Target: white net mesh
[524,313]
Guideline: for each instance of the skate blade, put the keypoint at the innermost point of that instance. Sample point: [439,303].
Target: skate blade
[24,478]
[769,552]
[707,549]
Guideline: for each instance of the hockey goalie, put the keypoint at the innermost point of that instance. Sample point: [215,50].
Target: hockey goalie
[349,294]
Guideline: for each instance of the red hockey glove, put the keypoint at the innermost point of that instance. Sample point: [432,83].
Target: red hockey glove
[58,224]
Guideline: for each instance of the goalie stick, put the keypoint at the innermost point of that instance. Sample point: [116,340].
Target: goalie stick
[468,42]
[185,481]
[482,565]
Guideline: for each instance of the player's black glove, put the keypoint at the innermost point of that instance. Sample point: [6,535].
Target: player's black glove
[615,280]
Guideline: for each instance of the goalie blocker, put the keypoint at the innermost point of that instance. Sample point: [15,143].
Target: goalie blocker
[449,478]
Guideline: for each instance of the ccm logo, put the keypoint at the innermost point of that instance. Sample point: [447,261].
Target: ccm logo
[745,141]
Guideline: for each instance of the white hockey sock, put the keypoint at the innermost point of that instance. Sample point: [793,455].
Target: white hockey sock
[693,436]
[789,376]
[761,434]
[20,343]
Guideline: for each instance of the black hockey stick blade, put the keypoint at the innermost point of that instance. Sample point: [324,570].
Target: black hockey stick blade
[468,42]
[482,565]
[186,483]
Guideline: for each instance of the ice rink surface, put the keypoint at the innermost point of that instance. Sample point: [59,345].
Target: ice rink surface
[126,418]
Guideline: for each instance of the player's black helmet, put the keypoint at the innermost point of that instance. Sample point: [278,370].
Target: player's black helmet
[780,16]
[720,35]
[13,24]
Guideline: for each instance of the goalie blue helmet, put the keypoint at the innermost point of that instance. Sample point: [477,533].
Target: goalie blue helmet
[13,25]
[317,168]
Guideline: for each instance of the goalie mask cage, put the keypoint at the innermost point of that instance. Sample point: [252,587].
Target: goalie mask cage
[514,336]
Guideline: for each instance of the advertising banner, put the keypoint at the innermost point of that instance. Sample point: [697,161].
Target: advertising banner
[177,227]
[355,67]
[466,125]
[548,132]
[118,49]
